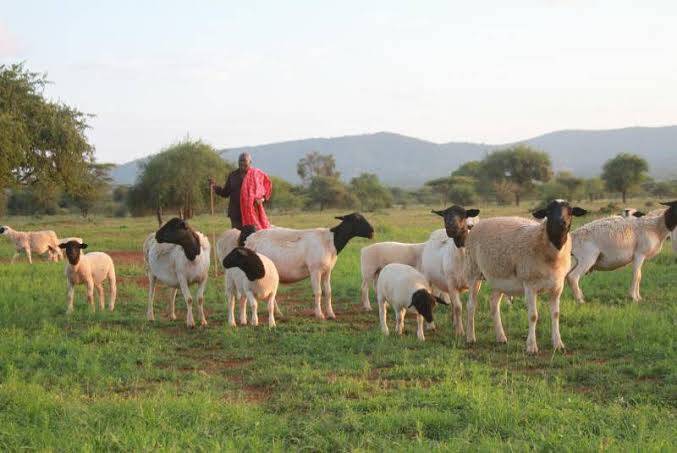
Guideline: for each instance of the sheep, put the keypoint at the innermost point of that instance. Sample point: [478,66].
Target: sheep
[613,242]
[253,276]
[90,269]
[632,212]
[443,257]
[298,254]
[518,255]
[403,287]
[177,256]
[39,242]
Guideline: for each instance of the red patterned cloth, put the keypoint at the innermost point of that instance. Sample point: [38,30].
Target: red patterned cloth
[255,185]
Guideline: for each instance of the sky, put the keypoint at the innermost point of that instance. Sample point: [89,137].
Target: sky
[238,73]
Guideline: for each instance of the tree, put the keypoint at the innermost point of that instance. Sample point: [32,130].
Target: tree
[316,164]
[370,193]
[573,186]
[285,195]
[442,187]
[93,186]
[520,167]
[329,192]
[176,178]
[624,172]
[40,140]
[594,188]
[471,168]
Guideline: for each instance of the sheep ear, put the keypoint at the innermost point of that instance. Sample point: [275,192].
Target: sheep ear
[577,212]
[638,214]
[439,213]
[83,246]
[540,214]
[472,212]
[441,301]
[340,217]
[62,245]
[670,203]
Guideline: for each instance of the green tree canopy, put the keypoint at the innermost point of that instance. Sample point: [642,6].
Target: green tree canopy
[329,192]
[177,178]
[315,164]
[516,169]
[624,172]
[370,193]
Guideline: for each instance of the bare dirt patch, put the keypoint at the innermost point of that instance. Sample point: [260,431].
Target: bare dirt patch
[126,257]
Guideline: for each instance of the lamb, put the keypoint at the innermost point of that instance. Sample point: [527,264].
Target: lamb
[403,287]
[253,276]
[632,212]
[90,269]
[177,256]
[518,255]
[39,242]
[613,242]
[443,257]
[298,254]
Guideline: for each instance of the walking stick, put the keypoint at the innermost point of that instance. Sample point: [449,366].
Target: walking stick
[211,205]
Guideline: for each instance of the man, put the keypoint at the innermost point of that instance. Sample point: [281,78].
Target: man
[248,188]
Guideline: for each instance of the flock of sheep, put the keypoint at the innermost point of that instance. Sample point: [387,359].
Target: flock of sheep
[516,256]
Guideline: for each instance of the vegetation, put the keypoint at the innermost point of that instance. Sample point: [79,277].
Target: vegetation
[624,172]
[112,381]
[370,193]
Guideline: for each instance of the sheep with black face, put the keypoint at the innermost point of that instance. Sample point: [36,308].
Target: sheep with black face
[177,256]
[299,254]
[614,242]
[521,256]
[404,288]
[443,257]
[90,269]
[253,276]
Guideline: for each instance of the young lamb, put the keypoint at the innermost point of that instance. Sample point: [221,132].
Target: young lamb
[39,242]
[90,269]
[443,257]
[518,255]
[253,276]
[177,256]
[613,242]
[632,212]
[403,287]
[298,254]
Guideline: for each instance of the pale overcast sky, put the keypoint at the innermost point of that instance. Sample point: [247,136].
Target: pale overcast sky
[253,72]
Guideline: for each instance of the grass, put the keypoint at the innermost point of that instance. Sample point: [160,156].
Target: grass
[112,381]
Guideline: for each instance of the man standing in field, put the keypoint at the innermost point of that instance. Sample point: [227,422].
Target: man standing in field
[248,188]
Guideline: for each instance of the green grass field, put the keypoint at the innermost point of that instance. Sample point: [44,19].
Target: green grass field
[113,381]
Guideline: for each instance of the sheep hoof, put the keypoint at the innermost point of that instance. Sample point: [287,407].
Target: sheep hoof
[319,316]
[501,340]
[558,346]
[367,307]
[203,323]
[232,323]
[532,349]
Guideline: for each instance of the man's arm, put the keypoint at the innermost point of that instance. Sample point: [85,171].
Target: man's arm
[225,190]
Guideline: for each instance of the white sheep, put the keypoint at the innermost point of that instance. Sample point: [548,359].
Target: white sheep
[375,257]
[39,242]
[254,276]
[177,256]
[404,288]
[298,254]
[613,242]
[90,269]
[517,255]
[443,257]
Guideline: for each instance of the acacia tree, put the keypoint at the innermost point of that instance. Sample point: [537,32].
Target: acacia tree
[40,140]
[517,169]
[314,165]
[624,172]
[370,193]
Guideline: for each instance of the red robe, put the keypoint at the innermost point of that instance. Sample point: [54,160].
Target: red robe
[255,185]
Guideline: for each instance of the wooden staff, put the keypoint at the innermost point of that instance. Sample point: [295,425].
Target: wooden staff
[211,204]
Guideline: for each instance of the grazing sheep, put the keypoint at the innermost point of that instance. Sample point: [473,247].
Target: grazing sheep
[39,242]
[90,269]
[177,256]
[613,242]
[253,276]
[632,212]
[403,287]
[443,257]
[298,254]
[518,255]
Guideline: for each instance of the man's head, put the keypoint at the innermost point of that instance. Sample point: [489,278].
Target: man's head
[244,162]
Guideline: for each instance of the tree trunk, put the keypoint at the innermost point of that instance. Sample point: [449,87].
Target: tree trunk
[624,193]
[517,199]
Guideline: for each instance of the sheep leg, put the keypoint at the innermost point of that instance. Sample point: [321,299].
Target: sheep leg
[326,292]
[554,320]
[271,310]
[315,282]
[172,304]
[185,292]
[243,311]
[403,313]
[113,289]
[254,306]
[150,315]
[496,315]
[382,314]
[28,254]
[102,299]
[278,312]
[530,298]
[201,302]
[90,295]
[14,257]
[637,263]
[582,267]
[364,291]
[457,313]
[419,329]
[474,289]
[71,296]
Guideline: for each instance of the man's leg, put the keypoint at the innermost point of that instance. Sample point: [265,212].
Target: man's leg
[236,222]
